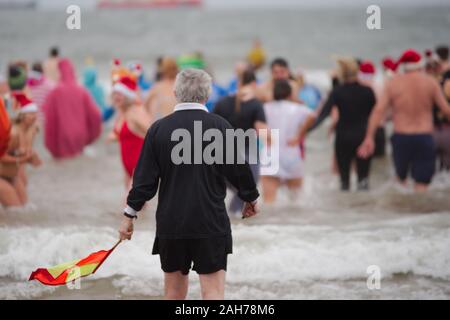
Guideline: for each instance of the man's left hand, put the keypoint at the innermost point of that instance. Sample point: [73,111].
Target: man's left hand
[250,209]
[126,228]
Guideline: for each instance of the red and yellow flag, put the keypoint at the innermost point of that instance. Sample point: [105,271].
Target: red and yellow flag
[70,271]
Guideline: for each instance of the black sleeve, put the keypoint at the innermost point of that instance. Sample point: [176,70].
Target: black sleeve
[260,115]
[239,174]
[146,174]
[325,111]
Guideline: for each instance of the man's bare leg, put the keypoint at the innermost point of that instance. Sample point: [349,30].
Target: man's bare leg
[21,190]
[8,195]
[294,186]
[213,285]
[270,187]
[403,183]
[420,187]
[175,285]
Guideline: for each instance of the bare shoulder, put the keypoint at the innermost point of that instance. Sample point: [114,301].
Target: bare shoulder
[137,112]
[156,87]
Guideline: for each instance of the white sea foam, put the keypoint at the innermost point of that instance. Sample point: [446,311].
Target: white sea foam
[264,256]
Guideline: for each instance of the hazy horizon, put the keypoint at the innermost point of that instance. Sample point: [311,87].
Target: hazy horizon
[54,4]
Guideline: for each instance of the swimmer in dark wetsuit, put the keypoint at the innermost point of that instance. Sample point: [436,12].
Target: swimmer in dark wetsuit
[354,102]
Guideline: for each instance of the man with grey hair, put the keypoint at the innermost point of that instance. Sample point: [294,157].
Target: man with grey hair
[192,225]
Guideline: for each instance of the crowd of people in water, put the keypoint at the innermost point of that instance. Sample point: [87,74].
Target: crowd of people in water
[414,94]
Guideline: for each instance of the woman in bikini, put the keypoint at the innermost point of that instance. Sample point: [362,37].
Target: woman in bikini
[13,178]
[131,125]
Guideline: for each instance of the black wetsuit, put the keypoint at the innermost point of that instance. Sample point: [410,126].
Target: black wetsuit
[441,132]
[355,103]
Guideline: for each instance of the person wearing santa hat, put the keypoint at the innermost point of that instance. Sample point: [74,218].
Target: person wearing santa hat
[389,67]
[13,178]
[132,125]
[366,74]
[411,95]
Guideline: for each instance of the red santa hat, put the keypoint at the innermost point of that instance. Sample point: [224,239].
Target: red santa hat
[25,104]
[366,70]
[126,86]
[389,64]
[411,60]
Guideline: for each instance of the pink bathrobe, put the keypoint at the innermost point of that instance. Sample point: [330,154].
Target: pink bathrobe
[72,120]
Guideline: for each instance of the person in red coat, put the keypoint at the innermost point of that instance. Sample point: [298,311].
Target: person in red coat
[72,120]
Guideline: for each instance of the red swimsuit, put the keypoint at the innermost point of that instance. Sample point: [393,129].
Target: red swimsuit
[130,148]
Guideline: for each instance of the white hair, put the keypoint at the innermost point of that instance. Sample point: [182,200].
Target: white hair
[192,85]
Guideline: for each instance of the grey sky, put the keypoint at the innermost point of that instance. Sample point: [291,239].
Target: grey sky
[267,3]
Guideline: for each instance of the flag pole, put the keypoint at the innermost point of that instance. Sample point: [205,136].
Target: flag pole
[115,246]
[110,251]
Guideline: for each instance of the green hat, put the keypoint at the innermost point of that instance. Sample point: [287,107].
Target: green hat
[17,78]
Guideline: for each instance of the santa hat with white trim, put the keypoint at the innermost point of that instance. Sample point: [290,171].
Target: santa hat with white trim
[126,86]
[366,70]
[411,60]
[25,104]
[389,64]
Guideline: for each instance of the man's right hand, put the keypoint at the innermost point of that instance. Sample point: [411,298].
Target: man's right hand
[250,209]
[367,148]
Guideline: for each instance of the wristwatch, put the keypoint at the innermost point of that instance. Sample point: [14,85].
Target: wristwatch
[129,216]
[130,213]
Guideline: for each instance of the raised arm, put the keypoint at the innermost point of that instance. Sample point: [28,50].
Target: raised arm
[325,111]
[306,126]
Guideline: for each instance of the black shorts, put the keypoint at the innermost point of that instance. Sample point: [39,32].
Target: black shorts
[414,153]
[208,255]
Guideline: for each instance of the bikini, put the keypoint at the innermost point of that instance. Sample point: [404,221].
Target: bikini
[130,147]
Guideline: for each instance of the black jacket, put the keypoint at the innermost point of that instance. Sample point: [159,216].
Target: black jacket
[191,196]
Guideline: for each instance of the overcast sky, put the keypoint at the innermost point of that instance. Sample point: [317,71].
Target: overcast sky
[267,3]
